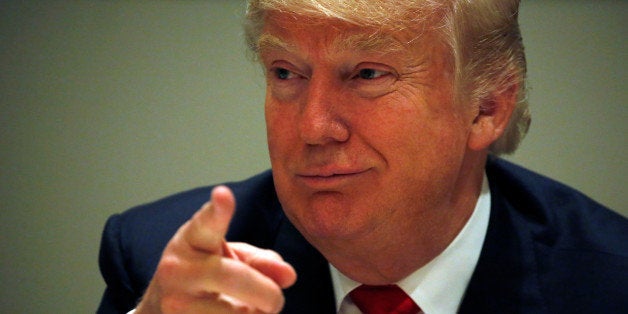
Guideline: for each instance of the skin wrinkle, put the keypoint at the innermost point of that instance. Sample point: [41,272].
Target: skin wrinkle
[377,44]
[364,43]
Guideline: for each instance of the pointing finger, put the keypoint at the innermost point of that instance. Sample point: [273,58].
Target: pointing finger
[207,228]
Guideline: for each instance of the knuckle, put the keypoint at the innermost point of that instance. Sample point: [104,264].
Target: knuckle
[169,266]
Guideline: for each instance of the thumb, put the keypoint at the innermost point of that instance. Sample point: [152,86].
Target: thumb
[267,262]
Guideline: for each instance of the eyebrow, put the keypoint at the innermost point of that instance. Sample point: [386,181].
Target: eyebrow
[370,43]
[272,42]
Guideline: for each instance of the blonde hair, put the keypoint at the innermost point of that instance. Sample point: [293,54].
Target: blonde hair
[484,37]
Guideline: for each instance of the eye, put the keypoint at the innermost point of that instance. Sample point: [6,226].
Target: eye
[372,80]
[283,73]
[370,74]
[285,81]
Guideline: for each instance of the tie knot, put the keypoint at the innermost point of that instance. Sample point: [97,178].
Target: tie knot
[389,299]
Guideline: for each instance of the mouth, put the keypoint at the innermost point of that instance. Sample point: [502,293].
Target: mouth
[330,179]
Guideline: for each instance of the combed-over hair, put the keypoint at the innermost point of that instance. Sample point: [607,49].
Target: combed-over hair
[484,37]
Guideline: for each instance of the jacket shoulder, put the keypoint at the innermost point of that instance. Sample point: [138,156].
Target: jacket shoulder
[156,222]
[555,211]
[572,250]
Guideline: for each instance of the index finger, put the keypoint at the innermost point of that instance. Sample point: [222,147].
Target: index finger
[207,228]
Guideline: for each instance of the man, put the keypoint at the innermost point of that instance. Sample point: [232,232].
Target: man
[383,120]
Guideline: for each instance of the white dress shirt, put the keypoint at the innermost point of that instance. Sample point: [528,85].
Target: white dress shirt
[437,287]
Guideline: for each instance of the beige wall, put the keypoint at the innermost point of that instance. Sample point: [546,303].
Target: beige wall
[108,104]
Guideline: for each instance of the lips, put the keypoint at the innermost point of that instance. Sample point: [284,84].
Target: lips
[330,179]
[331,170]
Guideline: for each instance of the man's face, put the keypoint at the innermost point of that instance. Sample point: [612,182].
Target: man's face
[362,130]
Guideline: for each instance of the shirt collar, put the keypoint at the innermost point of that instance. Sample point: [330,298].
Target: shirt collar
[438,286]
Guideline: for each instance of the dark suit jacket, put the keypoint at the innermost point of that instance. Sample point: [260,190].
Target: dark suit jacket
[549,249]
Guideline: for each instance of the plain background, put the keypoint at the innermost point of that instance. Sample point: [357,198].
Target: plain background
[109,104]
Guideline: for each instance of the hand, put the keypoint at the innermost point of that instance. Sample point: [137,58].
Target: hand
[201,273]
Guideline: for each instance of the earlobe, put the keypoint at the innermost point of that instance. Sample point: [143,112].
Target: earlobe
[492,118]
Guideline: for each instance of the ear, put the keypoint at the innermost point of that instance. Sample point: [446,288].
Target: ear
[492,118]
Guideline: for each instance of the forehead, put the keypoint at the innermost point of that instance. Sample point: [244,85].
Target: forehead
[287,32]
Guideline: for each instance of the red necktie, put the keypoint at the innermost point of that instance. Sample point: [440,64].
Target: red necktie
[388,299]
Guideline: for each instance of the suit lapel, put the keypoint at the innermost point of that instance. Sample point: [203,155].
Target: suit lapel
[505,279]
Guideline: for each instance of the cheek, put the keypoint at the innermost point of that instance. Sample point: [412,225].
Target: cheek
[273,125]
[419,136]
[279,130]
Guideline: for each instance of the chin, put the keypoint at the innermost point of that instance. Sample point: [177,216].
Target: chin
[328,222]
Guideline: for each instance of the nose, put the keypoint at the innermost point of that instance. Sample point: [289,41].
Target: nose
[321,121]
